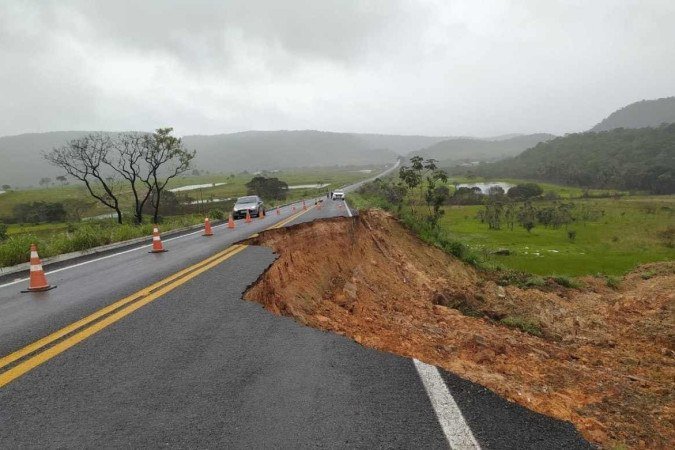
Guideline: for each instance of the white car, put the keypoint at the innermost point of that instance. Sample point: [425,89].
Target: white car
[338,195]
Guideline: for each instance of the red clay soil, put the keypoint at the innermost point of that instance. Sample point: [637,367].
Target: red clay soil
[605,360]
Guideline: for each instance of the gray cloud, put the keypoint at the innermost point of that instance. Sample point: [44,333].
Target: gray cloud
[429,67]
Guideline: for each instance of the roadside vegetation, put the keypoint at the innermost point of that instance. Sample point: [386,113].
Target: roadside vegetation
[62,217]
[545,230]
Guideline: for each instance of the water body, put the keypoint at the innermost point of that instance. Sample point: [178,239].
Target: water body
[192,187]
[207,200]
[485,187]
[308,186]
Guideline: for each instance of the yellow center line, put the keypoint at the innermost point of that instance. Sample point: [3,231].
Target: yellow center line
[114,312]
[103,311]
[25,366]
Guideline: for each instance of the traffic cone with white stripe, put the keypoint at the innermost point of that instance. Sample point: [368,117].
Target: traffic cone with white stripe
[38,280]
[261,214]
[304,206]
[230,222]
[248,216]
[293,207]
[278,211]
[207,227]
[157,246]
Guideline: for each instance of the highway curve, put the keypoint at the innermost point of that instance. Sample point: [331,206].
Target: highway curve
[149,350]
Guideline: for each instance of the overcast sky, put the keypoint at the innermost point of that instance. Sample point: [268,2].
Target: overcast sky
[436,67]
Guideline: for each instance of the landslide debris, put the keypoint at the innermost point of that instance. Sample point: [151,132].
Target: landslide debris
[601,358]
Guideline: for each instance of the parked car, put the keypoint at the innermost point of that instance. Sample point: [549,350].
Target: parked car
[251,203]
[338,195]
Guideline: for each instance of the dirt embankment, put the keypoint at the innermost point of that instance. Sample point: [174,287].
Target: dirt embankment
[605,361]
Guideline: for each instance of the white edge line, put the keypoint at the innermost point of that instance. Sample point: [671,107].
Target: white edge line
[454,426]
[21,280]
[349,211]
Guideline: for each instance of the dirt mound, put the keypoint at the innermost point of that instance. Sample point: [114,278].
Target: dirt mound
[603,359]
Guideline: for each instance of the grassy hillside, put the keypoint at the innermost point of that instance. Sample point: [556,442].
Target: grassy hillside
[627,159]
[452,151]
[646,113]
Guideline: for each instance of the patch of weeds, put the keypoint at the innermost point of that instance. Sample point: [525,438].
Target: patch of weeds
[523,324]
[535,281]
[613,282]
[647,275]
[567,282]
[513,277]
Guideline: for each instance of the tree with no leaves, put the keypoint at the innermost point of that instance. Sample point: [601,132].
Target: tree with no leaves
[166,158]
[104,163]
[85,159]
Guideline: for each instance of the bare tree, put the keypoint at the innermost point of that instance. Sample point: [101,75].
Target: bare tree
[166,159]
[85,159]
[129,160]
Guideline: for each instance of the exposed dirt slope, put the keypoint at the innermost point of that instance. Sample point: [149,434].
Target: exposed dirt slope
[606,360]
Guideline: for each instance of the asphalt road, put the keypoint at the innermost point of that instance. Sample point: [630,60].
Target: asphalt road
[197,366]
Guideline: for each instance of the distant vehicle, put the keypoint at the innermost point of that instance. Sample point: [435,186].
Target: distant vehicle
[251,203]
[338,195]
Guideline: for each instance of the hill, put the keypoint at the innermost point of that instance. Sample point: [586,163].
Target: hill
[453,151]
[646,113]
[21,156]
[259,150]
[630,159]
[23,165]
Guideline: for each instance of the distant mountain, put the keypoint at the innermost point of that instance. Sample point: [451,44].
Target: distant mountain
[646,113]
[640,159]
[308,148]
[453,151]
[22,163]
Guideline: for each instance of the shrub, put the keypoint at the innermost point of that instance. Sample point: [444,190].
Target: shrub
[3,231]
[613,282]
[523,324]
[535,282]
[566,282]
[217,214]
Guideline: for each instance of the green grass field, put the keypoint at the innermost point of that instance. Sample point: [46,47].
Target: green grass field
[632,230]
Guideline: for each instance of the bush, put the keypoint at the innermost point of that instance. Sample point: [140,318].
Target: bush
[535,282]
[523,324]
[566,282]
[613,282]
[217,214]
[3,231]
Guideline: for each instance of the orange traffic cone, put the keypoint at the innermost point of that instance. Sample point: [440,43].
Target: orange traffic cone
[318,205]
[304,207]
[230,222]
[38,280]
[293,207]
[278,211]
[157,246]
[248,216]
[207,227]
[261,214]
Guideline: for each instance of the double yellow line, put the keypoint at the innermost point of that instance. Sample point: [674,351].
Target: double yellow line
[80,330]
